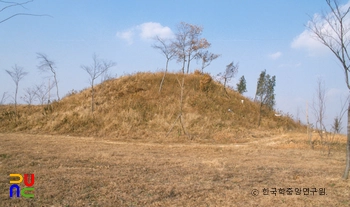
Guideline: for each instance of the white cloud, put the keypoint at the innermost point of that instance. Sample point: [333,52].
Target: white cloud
[307,40]
[146,31]
[275,56]
[150,30]
[126,35]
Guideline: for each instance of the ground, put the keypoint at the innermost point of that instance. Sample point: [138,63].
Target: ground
[86,171]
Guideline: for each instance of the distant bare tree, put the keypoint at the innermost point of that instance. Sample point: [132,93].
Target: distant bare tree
[3,98]
[168,50]
[206,57]
[17,74]
[319,108]
[42,91]
[95,70]
[332,30]
[29,95]
[46,65]
[230,72]
[12,4]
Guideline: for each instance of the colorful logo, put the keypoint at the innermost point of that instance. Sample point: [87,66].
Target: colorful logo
[23,191]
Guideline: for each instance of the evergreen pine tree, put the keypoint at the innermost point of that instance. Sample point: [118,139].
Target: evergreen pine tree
[242,85]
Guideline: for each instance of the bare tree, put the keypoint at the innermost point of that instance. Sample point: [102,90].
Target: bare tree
[188,43]
[168,50]
[3,98]
[47,65]
[95,70]
[29,95]
[332,30]
[230,72]
[206,57]
[319,109]
[42,92]
[17,74]
[12,4]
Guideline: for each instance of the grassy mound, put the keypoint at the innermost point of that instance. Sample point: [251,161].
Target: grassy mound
[132,107]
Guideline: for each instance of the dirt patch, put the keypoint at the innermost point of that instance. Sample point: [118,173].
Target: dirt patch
[80,171]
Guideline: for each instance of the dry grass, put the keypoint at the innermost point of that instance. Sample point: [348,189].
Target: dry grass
[131,107]
[119,156]
[82,171]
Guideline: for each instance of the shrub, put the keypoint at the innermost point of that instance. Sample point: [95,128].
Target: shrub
[204,83]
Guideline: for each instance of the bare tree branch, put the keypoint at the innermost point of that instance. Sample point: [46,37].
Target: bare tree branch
[206,57]
[189,44]
[48,65]
[41,92]
[29,95]
[11,4]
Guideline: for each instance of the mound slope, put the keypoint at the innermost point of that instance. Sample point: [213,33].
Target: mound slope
[132,107]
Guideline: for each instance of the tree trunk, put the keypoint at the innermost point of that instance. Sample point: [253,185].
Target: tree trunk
[58,96]
[183,64]
[347,168]
[16,102]
[166,69]
[259,119]
[92,98]
[188,63]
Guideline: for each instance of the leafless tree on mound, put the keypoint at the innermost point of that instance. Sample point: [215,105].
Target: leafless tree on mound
[29,95]
[230,72]
[169,51]
[6,5]
[47,65]
[188,44]
[206,57]
[17,74]
[42,91]
[332,30]
[97,68]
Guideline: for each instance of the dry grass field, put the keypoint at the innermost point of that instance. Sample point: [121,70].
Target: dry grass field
[124,153]
[86,171]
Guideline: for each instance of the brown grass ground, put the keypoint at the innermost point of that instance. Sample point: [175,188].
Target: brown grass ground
[132,107]
[81,171]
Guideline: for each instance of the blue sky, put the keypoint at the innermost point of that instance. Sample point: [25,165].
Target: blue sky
[258,34]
